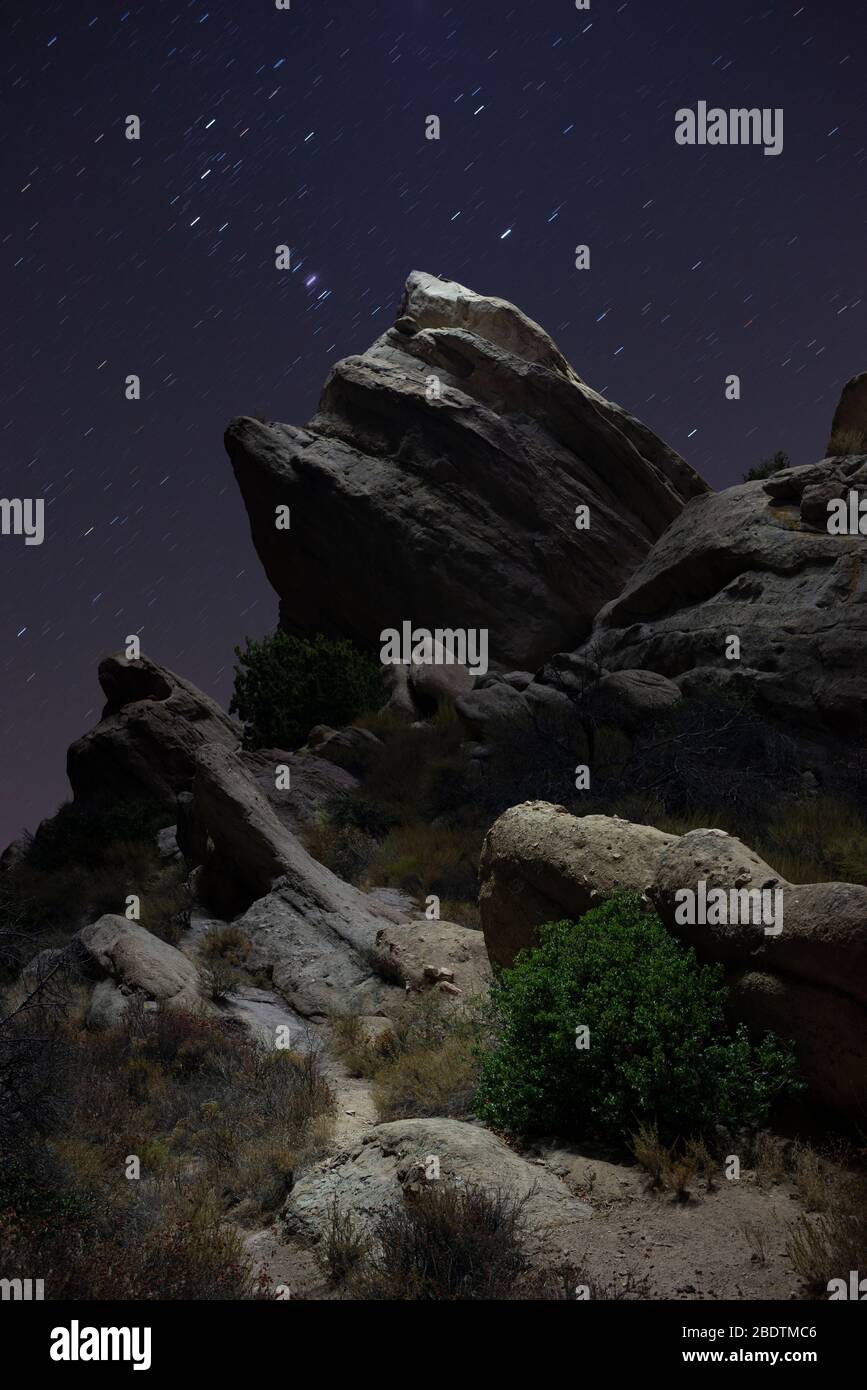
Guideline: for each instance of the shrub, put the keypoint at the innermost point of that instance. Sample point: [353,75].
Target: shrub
[658,1048]
[829,1246]
[219,979]
[345,1245]
[80,864]
[427,1064]
[426,1082]
[766,467]
[228,942]
[285,685]
[344,849]
[445,1242]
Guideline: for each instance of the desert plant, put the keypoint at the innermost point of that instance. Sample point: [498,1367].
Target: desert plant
[445,1242]
[285,685]
[658,1048]
[830,1245]
[345,1245]
[756,1236]
[768,466]
[228,942]
[219,979]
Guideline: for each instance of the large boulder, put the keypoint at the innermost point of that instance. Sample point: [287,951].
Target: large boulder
[755,562]
[145,744]
[377,1173]
[445,465]
[540,864]
[806,981]
[124,952]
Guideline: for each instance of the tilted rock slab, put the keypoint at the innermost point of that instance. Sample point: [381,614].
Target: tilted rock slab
[456,511]
[327,944]
[152,726]
[809,983]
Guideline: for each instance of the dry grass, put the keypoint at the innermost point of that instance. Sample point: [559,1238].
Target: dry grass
[421,858]
[768,1158]
[756,1236]
[219,1125]
[425,1066]
[816,1178]
[228,943]
[444,1243]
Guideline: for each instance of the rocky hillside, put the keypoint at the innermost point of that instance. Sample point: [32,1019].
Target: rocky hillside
[330,994]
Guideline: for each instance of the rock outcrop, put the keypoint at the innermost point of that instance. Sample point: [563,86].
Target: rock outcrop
[539,864]
[439,483]
[326,945]
[755,562]
[807,982]
[145,744]
[126,954]
[392,1157]
[850,418]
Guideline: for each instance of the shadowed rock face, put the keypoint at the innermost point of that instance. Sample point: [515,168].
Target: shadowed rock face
[152,726]
[755,561]
[850,417]
[456,511]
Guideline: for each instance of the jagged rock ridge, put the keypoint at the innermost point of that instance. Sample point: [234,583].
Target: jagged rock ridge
[456,510]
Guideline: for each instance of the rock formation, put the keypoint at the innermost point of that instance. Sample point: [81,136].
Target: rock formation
[439,481]
[850,417]
[756,562]
[327,946]
[145,744]
[809,982]
[377,1173]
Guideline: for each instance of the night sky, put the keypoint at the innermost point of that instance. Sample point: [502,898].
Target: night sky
[306,126]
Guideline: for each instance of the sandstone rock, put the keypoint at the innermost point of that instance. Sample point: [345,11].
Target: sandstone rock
[375,1174]
[107,1005]
[250,849]
[824,925]
[850,417]
[435,685]
[461,509]
[539,864]
[327,946]
[808,982]
[405,952]
[317,785]
[637,696]
[152,726]
[755,561]
[133,957]
[829,1029]
[351,749]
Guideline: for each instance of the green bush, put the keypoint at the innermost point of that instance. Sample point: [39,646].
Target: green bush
[658,1050]
[285,685]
